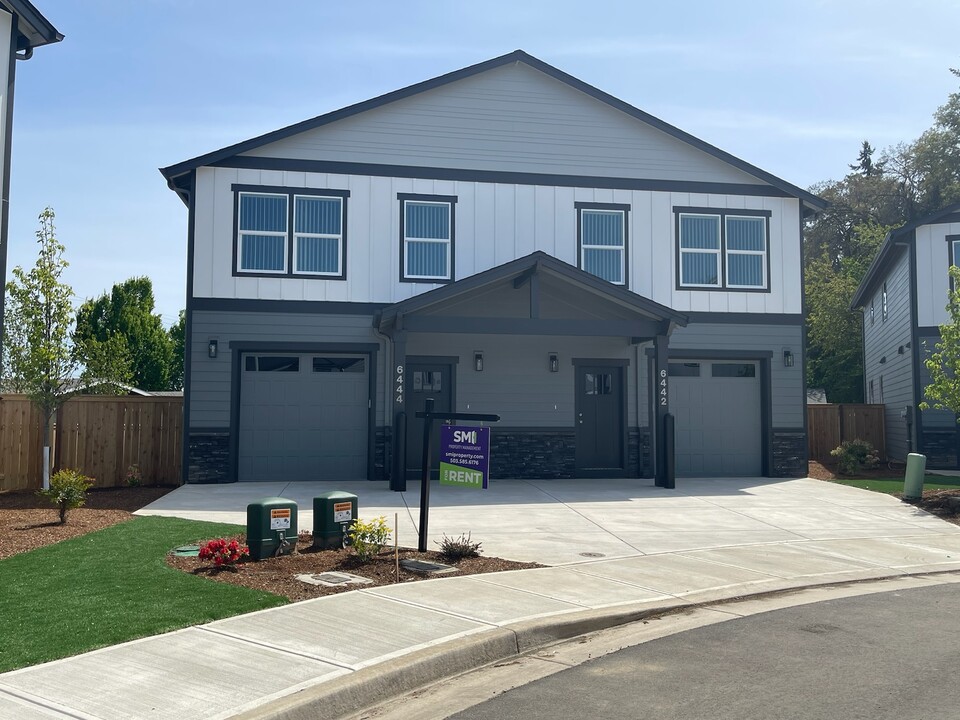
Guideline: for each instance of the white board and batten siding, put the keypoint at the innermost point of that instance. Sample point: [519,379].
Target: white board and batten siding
[495,223]
[933,281]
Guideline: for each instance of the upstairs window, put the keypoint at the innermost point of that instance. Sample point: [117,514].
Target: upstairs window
[426,238]
[602,240]
[722,249]
[953,249]
[290,232]
[872,311]
[883,303]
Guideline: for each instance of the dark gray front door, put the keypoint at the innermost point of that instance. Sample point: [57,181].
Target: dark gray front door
[426,380]
[599,418]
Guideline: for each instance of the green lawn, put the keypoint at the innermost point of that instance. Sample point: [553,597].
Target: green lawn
[895,485]
[108,587]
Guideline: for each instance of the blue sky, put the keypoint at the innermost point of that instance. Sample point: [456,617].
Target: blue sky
[141,84]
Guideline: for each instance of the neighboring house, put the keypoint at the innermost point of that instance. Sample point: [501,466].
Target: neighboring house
[504,239]
[22,28]
[903,298]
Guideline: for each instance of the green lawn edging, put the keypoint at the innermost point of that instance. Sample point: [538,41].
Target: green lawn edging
[108,587]
[895,485]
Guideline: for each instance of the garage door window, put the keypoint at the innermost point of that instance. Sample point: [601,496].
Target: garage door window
[272,363]
[734,370]
[684,369]
[338,365]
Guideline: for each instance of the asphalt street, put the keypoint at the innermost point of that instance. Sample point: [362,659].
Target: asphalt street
[887,655]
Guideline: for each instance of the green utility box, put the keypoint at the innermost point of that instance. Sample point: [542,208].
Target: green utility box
[333,513]
[271,527]
[913,477]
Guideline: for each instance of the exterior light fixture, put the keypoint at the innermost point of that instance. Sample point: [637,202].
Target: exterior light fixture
[554,362]
[478,361]
[787,357]
[212,349]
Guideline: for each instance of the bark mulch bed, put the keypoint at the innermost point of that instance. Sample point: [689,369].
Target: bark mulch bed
[819,471]
[278,575]
[28,522]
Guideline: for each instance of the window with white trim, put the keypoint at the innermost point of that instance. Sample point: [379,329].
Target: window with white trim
[725,250]
[288,232]
[883,303]
[602,236]
[427,236]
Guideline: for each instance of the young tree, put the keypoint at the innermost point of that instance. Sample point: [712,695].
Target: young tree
[38,359]
[943,392]
[177,333]
[125,318]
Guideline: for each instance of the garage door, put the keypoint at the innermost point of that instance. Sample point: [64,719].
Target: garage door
[717,410]
[303,417]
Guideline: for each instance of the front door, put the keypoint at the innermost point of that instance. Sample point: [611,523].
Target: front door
[599,418]
[426,380]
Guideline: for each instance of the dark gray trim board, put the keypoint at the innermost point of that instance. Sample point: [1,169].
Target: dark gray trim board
[312,307]
[518,56]
[601,362]
[31,29]
[928,331]
[5,178]
[529,326]
[238,347]
[439,359]
[425,172]
[450,200]
[618,207]
[685,354]
[712,318]
[188,330]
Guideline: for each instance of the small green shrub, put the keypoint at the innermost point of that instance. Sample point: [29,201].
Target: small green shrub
[854,456]
[368,537]
[134,476]
[459,547]
[68,489]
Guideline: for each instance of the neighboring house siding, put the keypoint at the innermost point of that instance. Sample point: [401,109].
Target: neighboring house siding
[495,223]
[210,390]
[933,280]
[513,118]
[787,398]
[883,340]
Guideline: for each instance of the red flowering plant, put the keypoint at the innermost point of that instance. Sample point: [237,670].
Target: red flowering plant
[224,552]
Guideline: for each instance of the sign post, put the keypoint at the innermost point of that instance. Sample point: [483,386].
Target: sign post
[428,416]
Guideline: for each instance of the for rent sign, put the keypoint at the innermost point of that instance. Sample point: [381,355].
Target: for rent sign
[465,456]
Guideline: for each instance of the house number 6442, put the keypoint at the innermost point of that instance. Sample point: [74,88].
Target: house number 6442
[663,388]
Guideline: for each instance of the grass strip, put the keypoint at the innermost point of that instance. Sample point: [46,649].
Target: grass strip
[108,587]
[895,485]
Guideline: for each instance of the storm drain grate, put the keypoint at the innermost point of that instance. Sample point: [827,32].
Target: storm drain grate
[427,568]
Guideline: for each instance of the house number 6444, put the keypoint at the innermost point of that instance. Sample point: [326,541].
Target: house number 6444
[399,383]
[663,388]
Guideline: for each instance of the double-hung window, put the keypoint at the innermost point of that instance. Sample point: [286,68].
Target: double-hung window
[953,251]
[602,240]
[291,232]
[722,249]
[426,238]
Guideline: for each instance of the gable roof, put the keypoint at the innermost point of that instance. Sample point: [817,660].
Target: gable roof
[901,237]
[521,268]
[173,172]
[33,29]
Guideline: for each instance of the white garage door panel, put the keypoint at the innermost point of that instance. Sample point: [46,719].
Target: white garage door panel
[303,425]
[718,429]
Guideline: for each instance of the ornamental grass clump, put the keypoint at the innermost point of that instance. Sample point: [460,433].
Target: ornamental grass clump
[458,548]
[68,490]
[368,537]
[224,553]
[855,455]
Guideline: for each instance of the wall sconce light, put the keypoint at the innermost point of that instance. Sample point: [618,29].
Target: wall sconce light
[212,349]
[787,357]
[478,361]
[554,362]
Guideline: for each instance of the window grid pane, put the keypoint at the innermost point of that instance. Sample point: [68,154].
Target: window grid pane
[746,233]
[745,270]
[700,268]
[427,259]
[317,215]
[263,213]
[700,232]
[427,221]
[318,255]
[263,252]
[601,228]
[604,263]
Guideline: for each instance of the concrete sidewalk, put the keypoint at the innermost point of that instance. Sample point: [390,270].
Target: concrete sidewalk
[619,549]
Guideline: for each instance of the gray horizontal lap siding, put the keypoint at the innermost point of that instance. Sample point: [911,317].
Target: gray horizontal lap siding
[787,397]
[210,385]
[513,118]
[882,341]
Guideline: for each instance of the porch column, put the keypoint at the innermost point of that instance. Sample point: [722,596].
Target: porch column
[662,404]
[398,385]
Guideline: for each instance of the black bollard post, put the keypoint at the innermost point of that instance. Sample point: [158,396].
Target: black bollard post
[425,474]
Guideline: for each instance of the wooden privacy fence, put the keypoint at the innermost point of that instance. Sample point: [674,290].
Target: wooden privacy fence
[101,436]
[829,425]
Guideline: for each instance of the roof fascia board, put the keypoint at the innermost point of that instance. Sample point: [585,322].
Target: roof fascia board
[812,201]
[35,30]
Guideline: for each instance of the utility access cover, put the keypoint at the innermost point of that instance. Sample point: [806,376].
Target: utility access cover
[334,579]
[427,568]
